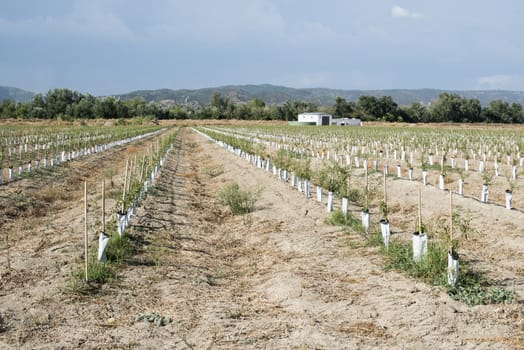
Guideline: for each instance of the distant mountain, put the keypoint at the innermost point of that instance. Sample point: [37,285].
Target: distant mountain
[15,94]
[272,94]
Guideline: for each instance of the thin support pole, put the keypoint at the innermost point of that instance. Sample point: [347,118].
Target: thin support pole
[85,229]
[385,190]
[125,186]
[129,176]
[366,187]
[451,218]
[142,170]
[419,211]
[104,205]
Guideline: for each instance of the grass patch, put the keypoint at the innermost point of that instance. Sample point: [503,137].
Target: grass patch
[375,240]
[432,269]
[337,218]
[157,255]
[119,248]
[238,201]
[472,287]
[97,272]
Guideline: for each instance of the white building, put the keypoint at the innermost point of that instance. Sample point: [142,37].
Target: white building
[318,118]
[346,121]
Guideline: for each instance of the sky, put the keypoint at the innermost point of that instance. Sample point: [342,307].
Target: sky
[108,47]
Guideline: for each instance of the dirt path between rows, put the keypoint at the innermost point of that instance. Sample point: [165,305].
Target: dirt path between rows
[279,278]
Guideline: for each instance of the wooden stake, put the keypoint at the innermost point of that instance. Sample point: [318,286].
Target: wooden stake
[451,219]
[85,229]
[366,173]
[136,166]
[130,176]
[419,212]
[142,170]
[104,205]
[385,190]
[7,249]
[125,186]
[366,187]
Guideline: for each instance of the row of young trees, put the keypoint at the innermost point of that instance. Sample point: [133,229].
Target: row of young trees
[68,104]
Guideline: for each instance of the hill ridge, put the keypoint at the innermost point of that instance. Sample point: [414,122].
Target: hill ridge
[276,94]
[15,94]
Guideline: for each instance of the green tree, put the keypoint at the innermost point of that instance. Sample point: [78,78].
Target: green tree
[498,111]
[369,108]
[454,108]
[136,107]
[218,101]
[286,112]
[517,112]
[57,101]
[417,113]
[85,108]
[106,108]
[342,109]
[470,110]
[372,108]
[179,112]
[8,109]
[258,103]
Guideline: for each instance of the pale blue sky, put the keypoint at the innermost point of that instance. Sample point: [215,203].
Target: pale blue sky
[115,46]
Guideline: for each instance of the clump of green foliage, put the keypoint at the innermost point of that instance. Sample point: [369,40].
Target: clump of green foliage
[239,201]
[338,218]
[472,287]
[119,248]
[214,170]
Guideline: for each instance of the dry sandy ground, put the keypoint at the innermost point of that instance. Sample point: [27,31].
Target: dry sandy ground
[277,279]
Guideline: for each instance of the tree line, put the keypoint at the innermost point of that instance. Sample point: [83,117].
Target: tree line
[67,105]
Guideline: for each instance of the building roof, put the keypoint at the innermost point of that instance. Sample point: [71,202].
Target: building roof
[314,113]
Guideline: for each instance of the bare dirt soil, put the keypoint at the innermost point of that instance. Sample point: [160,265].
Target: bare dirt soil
[279,278]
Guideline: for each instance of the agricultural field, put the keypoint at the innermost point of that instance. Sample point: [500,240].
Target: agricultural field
[253,236]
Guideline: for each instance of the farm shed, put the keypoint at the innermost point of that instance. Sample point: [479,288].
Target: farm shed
[346,121]
[316,118]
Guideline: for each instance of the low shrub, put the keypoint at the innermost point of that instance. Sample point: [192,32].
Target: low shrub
[238,201]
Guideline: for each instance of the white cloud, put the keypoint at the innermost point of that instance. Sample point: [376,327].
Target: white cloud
[501,82]
[88,19]
[400,12]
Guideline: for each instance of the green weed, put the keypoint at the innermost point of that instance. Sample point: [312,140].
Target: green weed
[214,171]
[337,218]
[472,288]
[119,248]
[239,201]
